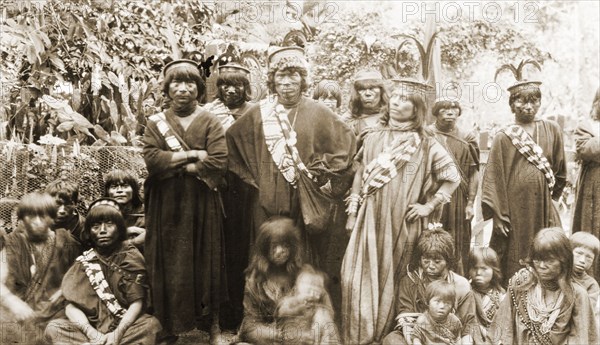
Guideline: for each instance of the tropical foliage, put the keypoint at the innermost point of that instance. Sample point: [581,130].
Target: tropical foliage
[89,69]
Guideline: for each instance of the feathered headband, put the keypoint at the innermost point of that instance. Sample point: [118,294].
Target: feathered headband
[287,57]
[520,83]
[413,85]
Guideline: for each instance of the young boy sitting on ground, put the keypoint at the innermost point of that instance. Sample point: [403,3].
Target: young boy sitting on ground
[66,195]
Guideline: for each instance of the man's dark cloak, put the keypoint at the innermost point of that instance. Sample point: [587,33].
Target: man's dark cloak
[517,192]
[464,148]
[325,144]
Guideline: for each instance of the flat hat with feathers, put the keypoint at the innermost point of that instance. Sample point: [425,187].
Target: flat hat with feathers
[413,85]
[520,83]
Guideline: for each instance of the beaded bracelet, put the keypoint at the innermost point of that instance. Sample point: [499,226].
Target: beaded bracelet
[443,196]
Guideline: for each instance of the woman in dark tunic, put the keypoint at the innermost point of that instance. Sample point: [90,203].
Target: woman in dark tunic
[186,156]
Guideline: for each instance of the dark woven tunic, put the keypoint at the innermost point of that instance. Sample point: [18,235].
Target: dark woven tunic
[184,219]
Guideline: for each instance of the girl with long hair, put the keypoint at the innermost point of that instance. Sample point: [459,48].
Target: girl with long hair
[544,305]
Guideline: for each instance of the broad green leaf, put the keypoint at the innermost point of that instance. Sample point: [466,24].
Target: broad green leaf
[114,112]
[101,133]
[116,136]
[57,62]
[65,126]
[80,120]
[113,78]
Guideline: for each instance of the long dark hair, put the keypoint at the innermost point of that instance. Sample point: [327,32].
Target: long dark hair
[291,69]
[186,72]
[419,113]
[99,213]
[230,78]
[276,229]
[435,242]
[122,176]
[328,88]
[553,243]
[37,204]
[488,257]
[356,107]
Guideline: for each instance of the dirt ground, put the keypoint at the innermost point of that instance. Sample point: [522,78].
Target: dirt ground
[201,338]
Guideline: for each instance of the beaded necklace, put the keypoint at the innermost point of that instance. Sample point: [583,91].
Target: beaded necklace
[538,337]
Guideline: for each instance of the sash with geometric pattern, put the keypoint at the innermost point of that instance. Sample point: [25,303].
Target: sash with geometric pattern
[93,270]
[280,139]
[163,127]
[221,111]
[531,151]
[386,165]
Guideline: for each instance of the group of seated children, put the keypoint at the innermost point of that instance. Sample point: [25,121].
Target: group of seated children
[66,279]
[69,279]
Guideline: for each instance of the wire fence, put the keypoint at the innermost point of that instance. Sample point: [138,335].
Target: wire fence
[28,168]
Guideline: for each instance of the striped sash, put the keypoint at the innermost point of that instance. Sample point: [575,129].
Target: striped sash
[281,139]
[161,123]
[531,151]
[93,270]
[223,113]
[385,167]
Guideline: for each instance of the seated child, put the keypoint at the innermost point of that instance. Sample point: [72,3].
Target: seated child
[105,289]
[123,187]
[485,277]
[308,305]
[66,195]
[437,325]
[585,249]
[33,261]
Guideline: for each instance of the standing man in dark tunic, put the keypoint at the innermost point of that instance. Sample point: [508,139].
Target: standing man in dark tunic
[233,100]
[525,172]
[464,150]
[296,153]
[186,155]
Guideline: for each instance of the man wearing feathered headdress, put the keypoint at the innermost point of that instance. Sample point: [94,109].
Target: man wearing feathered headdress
[295,151]
[525,172]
